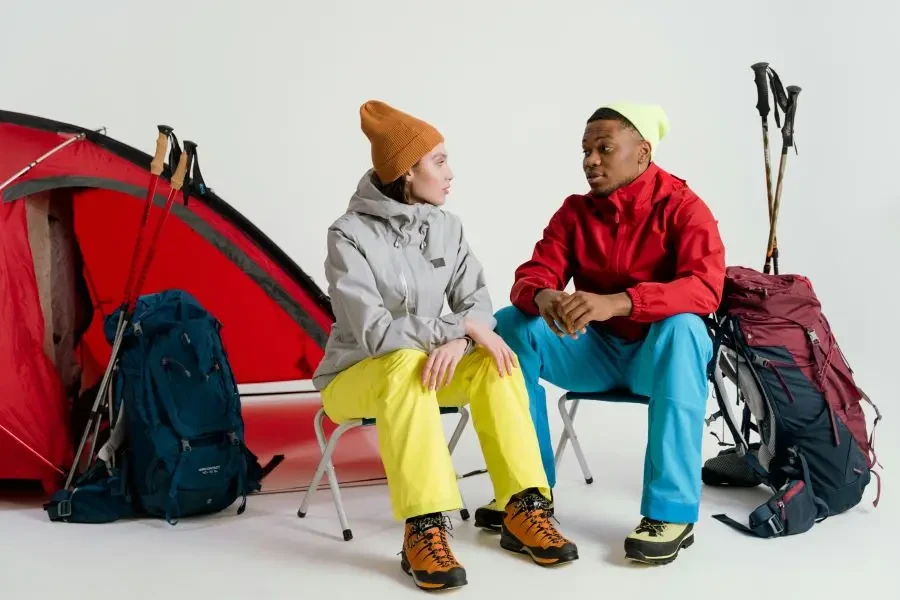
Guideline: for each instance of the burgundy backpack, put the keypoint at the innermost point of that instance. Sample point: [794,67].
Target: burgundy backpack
[776,350]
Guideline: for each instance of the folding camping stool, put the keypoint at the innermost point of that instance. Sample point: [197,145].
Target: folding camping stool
[327,449]
[568,417]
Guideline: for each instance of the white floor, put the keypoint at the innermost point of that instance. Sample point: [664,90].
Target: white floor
[269,553]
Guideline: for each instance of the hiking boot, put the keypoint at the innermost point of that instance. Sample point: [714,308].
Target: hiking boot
[426,554]
[527,529]
[490,516]
[657,542]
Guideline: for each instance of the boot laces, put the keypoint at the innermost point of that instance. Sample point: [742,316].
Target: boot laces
[433,530]
[652,526]
[536,507]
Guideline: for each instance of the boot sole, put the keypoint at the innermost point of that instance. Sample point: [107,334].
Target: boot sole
[429,586]
[638,556]
[509,542]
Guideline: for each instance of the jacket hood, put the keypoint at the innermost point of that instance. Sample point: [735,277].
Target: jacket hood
[369,200]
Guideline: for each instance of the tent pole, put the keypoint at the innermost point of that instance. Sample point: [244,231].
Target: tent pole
[33,451]
[40,159]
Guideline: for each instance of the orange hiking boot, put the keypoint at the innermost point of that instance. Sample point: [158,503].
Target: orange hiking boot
[527,530]
[427,557]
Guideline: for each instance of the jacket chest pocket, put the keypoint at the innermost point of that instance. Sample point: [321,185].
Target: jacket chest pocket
[427,280]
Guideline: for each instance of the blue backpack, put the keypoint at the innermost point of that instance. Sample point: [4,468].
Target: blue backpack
[184,452]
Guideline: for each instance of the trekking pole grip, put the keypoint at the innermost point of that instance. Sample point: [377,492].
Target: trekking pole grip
[162,143]
[787,132]
[762,88]
[180,170]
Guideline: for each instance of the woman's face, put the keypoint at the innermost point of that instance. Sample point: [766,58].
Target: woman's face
[429,180]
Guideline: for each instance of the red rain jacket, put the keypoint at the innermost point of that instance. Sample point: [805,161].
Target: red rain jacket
[654,239]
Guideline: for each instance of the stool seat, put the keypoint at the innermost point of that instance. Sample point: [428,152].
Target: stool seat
[614,395]
[445,410]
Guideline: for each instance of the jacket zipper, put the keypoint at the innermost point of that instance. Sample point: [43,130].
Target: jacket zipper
[617,245]
[405,290]
[412,290]
[400,246]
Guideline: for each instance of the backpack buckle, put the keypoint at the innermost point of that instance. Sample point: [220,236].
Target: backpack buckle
[64,508]
[185,446]
[774,522]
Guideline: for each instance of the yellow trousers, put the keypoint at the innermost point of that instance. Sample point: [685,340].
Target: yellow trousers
[420,474]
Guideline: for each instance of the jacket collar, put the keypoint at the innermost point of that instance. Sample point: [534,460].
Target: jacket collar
[369,200]
[633,201]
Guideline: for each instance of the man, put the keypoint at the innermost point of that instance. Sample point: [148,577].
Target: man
[647,261]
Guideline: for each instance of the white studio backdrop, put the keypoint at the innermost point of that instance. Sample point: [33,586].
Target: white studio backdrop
[270,91]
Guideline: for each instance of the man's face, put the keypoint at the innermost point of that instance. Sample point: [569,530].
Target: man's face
[614,156]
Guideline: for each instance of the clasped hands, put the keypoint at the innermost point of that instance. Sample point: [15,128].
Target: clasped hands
[570,314]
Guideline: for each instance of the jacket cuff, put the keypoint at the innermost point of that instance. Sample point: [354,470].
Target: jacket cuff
[637,303]
[454,328]
[523,294]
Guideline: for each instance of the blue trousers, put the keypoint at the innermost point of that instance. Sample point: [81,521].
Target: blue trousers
[668,367]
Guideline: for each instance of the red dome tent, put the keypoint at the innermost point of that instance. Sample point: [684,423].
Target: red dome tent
[67,230]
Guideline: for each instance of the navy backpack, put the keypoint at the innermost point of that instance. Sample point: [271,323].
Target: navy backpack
[176,396]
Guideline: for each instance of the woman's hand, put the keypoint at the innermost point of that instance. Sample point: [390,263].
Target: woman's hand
[442,362]
[493,343]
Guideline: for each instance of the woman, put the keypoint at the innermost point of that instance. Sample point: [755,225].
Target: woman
[393,257]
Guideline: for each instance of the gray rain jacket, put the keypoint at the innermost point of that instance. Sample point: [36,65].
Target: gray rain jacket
[389,268]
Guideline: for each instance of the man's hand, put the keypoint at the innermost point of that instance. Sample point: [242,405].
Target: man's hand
[493,343]
[441,364]
[580,308]
[547,302]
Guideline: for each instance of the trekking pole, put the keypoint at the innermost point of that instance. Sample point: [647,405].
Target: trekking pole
[787,136]
[134,290]
[760,72]
[156,168]
[177,182]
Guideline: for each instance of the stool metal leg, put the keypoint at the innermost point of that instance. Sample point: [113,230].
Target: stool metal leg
[564,437]
[460,427]
[325,466]
[569,434]
[454,440]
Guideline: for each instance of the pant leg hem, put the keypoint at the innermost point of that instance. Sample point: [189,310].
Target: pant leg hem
[440,506]
[502,500]
[670,512]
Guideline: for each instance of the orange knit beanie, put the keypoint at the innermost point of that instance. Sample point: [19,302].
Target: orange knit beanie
[398,140]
